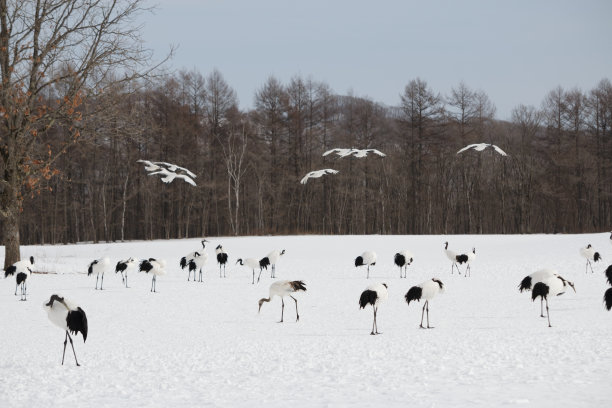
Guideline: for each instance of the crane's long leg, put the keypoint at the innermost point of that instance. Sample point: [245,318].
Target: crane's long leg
[591,265]
[548,313]
[253,277]
[16,286]
[422,315]
[25,291]
[65,341]
[200,276]
[296,309]
[368,276]
[126,285]
[427,309]
[282,309]
[259,276]
[102,281]
[373,321]
[73,352]
[97,276]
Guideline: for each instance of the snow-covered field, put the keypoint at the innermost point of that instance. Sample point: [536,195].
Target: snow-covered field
[204,344]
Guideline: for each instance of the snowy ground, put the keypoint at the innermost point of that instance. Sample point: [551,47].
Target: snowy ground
[204,344]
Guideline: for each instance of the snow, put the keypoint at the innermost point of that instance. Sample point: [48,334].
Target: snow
[204,344]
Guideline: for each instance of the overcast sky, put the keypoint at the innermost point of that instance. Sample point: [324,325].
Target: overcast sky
[516,51]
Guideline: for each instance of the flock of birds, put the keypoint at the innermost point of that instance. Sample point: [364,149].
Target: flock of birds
[360,153]
[168,171]
[71,318]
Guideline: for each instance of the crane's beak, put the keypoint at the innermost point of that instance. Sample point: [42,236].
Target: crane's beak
[572,285]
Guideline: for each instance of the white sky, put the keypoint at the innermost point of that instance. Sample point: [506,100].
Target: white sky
[515,51]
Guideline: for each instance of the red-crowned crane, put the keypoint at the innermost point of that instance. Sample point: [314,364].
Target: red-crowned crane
[470,258]
[20,269]
[426,290]
[98,266]
[194,260]
[155,267]
[403,259]
[551,286]
[123,267]
[271,259]
[282,289]
[528,281]
[454,258]
[590,255]
[68,317]
[251,263]
[374,295]
[221,259]
[367,258]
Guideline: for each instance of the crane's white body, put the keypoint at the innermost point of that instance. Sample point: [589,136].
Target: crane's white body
[149,166]
[452,256]
[169,176]
[367,258]
[158,268]
[274,257]
[124,266]
[98,267]
[374,295]
[317,174]
[174,168]
[67,316]
[339,151]
[408,259]
[281,289]
[21,270]
[550,286]
[479,147]
[426,291]
[360,153]
[251,263]
[591,255]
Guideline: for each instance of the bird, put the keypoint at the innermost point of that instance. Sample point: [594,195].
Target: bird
[174,168]
[339,151]
[403,259]
[123,267]
[284,288]
[479,147]
[364,152]
[373,295]
[69,317]
[20,269]
[367,258]
[199,258]
[454,258]
[470,257]
[317,174]
[554,285]
[98,266]
[169,176]
[528,281]
[251,263]
[608,299]
[149,166]
[426,290]
[271,259]
[157,268]
[221,259]
[589,253]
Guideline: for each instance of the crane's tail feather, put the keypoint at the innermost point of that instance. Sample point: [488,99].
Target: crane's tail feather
[367,297]
[414,293]
[609,274]
[525,284]
[539,289]
[608,299]
[298,285]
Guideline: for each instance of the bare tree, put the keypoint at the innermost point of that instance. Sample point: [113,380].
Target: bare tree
[54,54]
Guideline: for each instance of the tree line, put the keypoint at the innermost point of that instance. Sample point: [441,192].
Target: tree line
[556,177]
